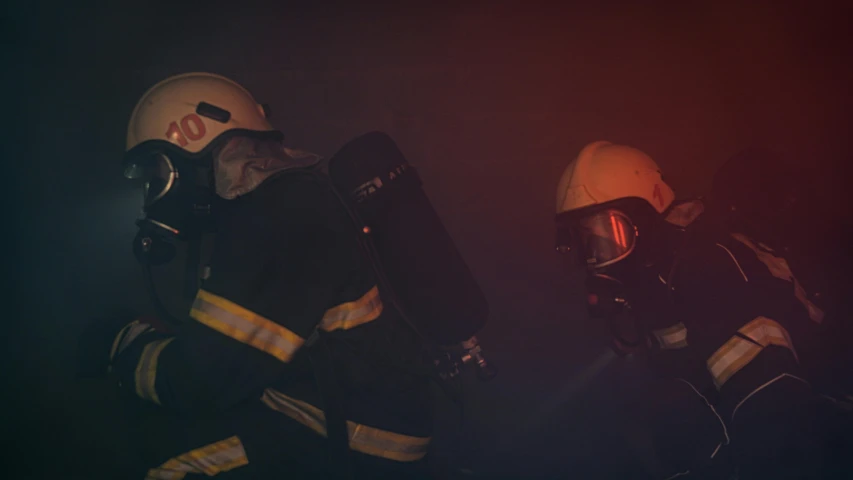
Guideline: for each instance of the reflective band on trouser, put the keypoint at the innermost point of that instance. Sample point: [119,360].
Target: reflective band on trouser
[738,352]
[245,326]
[146,370]
[209,460]
[352,314]
[673,337]
[364,439]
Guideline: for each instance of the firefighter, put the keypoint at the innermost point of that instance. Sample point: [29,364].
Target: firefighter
[710,313]
[270,370]
[793,232]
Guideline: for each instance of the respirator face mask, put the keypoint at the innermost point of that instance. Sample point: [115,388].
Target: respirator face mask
[178,202]
[604,242]
[178,205]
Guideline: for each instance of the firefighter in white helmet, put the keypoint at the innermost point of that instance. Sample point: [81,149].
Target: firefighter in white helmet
[707,311]
[270,349]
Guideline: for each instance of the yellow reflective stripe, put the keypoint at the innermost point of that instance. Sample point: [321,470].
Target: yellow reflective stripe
[245,326]
[146,370]
[737,352]
[355,313]
[364,439]
[673,337]
[208,460]
[767,332]
[160,474]
[385,444]
[731,358]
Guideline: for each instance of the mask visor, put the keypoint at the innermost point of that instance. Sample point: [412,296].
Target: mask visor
[604,238]
[157,173]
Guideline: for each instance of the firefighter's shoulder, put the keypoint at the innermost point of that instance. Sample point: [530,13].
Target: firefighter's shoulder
[713,261]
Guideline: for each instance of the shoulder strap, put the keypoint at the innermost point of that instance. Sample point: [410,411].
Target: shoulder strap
[337,431]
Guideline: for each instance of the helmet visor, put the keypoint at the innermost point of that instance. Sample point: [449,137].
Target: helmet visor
[158,175]
[604,237]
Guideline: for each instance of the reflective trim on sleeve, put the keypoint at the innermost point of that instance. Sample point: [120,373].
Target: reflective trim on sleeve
[355,313]
[672,338]
[737,352]
[127,335]
[209,460]
[364,439]
[245,326]
[146,370]
[116,341]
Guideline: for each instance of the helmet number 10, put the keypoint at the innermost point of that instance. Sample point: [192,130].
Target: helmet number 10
[191,127]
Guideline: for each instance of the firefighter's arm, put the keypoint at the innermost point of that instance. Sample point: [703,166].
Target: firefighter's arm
[274,272]
[736,325]
[751,365]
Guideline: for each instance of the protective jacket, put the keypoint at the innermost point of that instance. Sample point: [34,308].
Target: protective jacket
[286,266]
[741,315]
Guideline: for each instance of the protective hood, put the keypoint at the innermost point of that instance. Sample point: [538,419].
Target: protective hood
[244,163]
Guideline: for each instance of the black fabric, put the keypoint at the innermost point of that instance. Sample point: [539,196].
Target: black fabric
[786,432]
[287,251]
[778,432]
[686,431]
[275,445]
[427,272]
[720,286]
[328,385]
[93,347]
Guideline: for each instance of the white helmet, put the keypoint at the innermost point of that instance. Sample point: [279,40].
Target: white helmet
[191,111]
[604,172]
[601,198]
[183,118]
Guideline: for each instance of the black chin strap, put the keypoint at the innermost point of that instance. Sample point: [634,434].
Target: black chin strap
[191,270]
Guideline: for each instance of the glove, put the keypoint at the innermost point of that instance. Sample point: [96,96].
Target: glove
[105,338]
[94,344]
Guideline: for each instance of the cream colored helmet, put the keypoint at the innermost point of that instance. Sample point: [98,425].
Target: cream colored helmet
[604,172]
[190,112]
[601,198]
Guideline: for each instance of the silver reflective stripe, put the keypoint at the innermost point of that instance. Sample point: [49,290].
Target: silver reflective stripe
[127,334]
[209,460]
[245,326]
[737,352]
[146,370]
[364,439]
[673,337]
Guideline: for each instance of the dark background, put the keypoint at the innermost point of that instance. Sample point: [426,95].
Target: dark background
[491,100]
